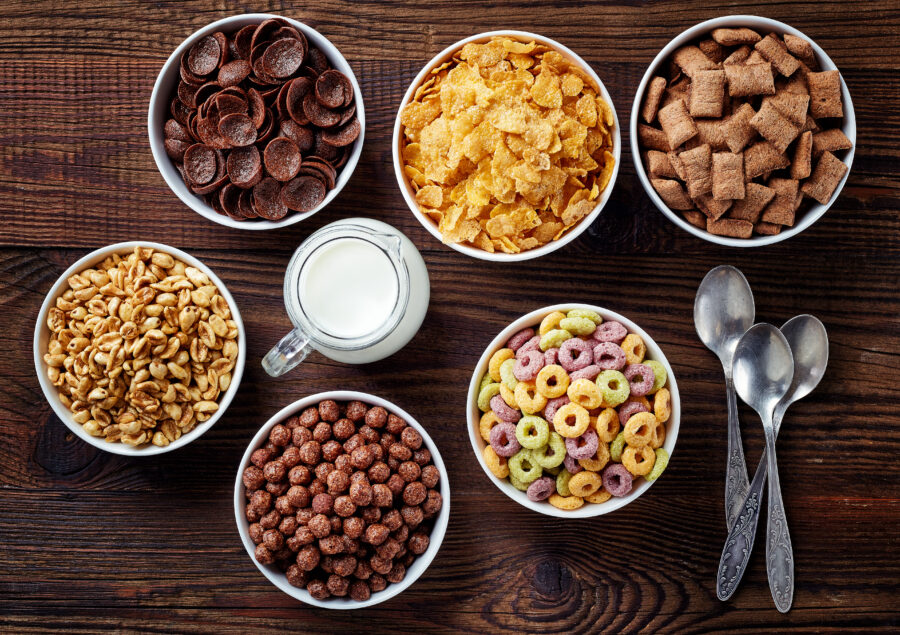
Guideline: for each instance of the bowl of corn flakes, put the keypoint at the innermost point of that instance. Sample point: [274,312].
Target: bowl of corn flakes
[506,146]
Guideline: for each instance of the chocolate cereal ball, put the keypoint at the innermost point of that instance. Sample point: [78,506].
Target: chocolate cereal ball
[322,432]
[411,438]
[344,566]
[376,534]
[397,573]
[270,520]
[409,471]
[395,424]
[296,576]
[412,516]
[253,478]
[382,496]
[393,520]
[323,503]
[317,589]
[433,502]
[343,429]
[359,591]
[430,476]
[308,557]
[329,411]
[356,410]
[298,496]
[319,525]
[273,539]
[311,452]
[337,482]
[379,472]
[361,494]
[288,526]
[370,514]
[309,417]
[331,544]
[280,435]
[291,456]
[377,583]
[255,531]
[277,489]
[354,527]
[418,542]
[261,456]
[376,417]
[263,554]
[337,585]
[342,463]
[414,493]
[396,484]
[422,456]
[343,506]
[301,436]
[261,501]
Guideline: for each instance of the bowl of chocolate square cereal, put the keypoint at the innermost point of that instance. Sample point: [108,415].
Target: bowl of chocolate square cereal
[743,131]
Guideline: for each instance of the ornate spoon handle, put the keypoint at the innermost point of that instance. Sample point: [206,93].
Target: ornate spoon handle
[779,551]
[737,484]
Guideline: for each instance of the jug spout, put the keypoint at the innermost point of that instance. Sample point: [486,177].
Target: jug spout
[392,243]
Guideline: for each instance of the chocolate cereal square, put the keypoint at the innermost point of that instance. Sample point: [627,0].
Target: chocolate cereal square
[781,210]
[672,194]
[776,52]
[762,157]
[738,56]
[735,37]
[738,131]
[801,166]
[791,105]
[832,140]
[746,80]
[756,197]
[729,227]
[695,218]
[727,176]
[825,178]
[655,90]
[691,59]
[712,132]
[658,165]
[774,126]
[767,229]
[801,49]
[825,94]
[712,49]
[698,170]
[677,123]
[653,138]
[707,94]
[713,208]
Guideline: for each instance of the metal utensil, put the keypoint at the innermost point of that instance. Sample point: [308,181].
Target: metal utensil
[763,372]
[809,346]
[723,311]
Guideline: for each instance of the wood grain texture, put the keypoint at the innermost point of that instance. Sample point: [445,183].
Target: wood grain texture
[94,542]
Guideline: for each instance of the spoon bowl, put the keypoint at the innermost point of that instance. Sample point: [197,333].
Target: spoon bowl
[808,340]
[723,311]
[763,368]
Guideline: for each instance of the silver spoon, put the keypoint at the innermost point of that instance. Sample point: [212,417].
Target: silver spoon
[809,346]
[723,311]
[763,372]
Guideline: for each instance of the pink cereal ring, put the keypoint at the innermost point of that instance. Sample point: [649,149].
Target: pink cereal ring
[553,405]
[541,489]
[531,345]
[571,464]
[528,365]
[588,372]
[610,332]
[609,356]
[583,447]
[551,356]
[640,377]
[575,354]
[517,340]
[629,409]
[617,480]
[503,439]
[503,411]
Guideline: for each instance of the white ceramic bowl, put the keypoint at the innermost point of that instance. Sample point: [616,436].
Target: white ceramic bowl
[272,573]
[589,510]
[167,82]
[763,25]
[409,194]
[42,336]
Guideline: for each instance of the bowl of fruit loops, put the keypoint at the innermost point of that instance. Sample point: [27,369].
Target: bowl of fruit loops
[506,146]
[573,411]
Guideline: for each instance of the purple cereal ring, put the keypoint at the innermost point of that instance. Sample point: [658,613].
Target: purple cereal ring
[571,464]
[516,341]
[503,439]
[503,411]
[553,405]
[588,372]
[609,356]
[541,489]
[575,354]
[629,409]
[528,365]
[583,447]
[617,480]
[640,377]
[610,332]
[551,356]
[531,345]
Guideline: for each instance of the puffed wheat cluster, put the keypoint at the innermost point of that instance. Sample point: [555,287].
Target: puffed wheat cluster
[141,347]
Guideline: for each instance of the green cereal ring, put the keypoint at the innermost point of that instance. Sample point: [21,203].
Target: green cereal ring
[532,432]
[552,339]
[485,381]
[523,466]
[562,483]
[485,394]
[553,471]
[578,325]
[506,374]
[659,374]
[662,460]
[519,485]
[614,387]
[616,447]
[550,461]
[593,316]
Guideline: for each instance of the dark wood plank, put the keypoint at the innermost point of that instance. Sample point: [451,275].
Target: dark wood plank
[96,542]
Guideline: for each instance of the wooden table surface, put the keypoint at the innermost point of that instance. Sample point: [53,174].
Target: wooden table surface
[90,541]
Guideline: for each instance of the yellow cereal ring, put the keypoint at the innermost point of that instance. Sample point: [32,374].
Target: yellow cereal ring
[567,503]
[578,325]
[593,316]
[496,464]
[508,395]
[659,435]
[498,358]
[585,393]
[585,483]
[571,420]
[598,461]
[639,429]
[607,425]
[528,399]
[488,421]
[634,348]
[552,381]
[600,496]
[550,322]
[662,405]
[638,461]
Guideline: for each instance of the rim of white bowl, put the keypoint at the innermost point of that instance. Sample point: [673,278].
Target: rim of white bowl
[413,572]
[42,336]
[473,414]
[583,224]
[158,112]
[816,211]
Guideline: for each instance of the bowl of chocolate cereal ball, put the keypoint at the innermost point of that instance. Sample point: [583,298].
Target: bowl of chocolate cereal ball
[342,500]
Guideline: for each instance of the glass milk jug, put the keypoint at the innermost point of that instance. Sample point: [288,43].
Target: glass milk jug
[356,291]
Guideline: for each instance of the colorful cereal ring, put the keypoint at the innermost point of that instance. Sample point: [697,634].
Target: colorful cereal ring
[639,429]
[609,356]
[565,503]
[575,354]
[630,409]
[638,461]
[593,316]
[616,448]
[613,387]
[532,432]
[588,372]
[659,435]
[507,378]
[617,480]
[517,340]
[541,489]
[611,331]
[607,425]
[519,485]
[583,447]
[571,465]
[485,380]
[585,483]
[552,454]
[662,460]
[523,467]
[498,358]
[503,439]
[509,396]
[528,399]
[634,348]
[485,394]
[571,420]
[600,496]
[552,381]
[551,356]
[496,463]
[598,461]
[531,345]
[504,412]
[562,483]
[553,405]
[659,374]
[488,421]
[640,379]
[585,393]
[662,405]
[550,322]
[577,325]
[554,339]
[528,365]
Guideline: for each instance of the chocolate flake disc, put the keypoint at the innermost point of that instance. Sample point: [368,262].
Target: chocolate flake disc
[200,164]
[300,135]
[317,114]
[228,104]
[343,136]
[299,88]
[283,58]
[244,166]
[282,158]
[242,40]
[176,148]
[267,199]
[330,89]
[257,107]
[204,56]
[233,73]
[245,206]
[317,61]
[176,130]
[237,129]
[303,193]
[228,199]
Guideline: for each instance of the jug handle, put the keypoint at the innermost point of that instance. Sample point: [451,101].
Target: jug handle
[287,354]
